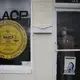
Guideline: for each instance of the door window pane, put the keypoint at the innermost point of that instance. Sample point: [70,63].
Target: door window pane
[68,1]
[61,65]
[68,30]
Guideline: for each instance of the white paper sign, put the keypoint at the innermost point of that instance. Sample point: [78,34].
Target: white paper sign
[69,65]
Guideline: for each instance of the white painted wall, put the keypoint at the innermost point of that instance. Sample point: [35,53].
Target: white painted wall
[43,49]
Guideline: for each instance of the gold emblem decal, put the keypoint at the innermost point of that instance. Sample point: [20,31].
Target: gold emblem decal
[13,39]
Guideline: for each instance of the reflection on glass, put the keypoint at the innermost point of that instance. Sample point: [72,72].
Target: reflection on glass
[68,30]
[65,41]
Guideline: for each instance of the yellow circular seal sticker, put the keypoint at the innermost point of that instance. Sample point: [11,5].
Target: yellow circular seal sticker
[13,39]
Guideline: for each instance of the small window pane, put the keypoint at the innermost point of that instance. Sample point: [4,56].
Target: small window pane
[68,1]
[74,57]
[68,30]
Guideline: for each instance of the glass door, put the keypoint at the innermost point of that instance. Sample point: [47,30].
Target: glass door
[68,44]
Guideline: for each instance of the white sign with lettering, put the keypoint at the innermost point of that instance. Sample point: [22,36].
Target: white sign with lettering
[69,65]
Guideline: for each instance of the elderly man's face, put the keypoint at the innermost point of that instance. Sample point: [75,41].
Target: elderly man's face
[70,65]
[63,33]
